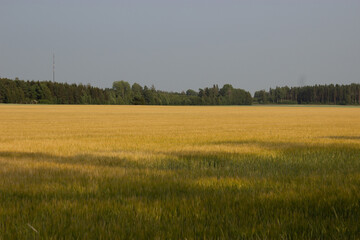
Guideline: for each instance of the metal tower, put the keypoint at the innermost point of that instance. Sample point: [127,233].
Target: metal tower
[53,67]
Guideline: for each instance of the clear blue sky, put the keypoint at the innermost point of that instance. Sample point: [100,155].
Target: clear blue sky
[177,45]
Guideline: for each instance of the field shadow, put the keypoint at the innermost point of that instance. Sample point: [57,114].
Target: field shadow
[261,144]
[80,159]
[343,137]
[290,159]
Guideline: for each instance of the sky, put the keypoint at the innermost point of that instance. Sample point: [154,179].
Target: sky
[178,45]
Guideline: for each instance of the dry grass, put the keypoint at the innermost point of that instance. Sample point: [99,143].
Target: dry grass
[179,172]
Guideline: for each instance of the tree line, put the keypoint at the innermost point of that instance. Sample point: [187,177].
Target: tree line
[47,92]
[318,94]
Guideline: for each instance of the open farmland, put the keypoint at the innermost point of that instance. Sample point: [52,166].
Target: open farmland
[145,172]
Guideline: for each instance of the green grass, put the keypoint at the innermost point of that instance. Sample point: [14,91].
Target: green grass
[304,193]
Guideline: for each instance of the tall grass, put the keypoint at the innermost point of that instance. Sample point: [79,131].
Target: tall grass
[135,172]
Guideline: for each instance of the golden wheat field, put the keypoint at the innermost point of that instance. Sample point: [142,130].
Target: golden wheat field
[154,172]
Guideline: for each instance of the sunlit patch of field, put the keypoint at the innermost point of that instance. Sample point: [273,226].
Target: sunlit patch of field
[145,172]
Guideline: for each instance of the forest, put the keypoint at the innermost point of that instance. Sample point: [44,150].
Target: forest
[318,94]
[47,92]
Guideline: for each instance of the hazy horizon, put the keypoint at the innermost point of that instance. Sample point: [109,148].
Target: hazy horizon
[182,45]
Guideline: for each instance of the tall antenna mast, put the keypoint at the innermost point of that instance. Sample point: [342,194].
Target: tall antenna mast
[53,67]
